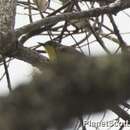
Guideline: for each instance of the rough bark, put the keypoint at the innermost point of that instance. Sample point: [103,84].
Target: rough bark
[7,15]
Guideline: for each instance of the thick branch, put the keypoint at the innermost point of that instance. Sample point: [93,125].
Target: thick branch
[66,90]
[109,9]
[30,56]
[13,48]
[7,15]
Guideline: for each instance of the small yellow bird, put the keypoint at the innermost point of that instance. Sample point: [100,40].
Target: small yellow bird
[57,51]
[41,4]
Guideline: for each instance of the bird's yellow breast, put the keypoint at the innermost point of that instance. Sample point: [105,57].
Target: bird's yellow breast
[51,53]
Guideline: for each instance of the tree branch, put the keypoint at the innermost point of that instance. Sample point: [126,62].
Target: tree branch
[66,90]
[112,8]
